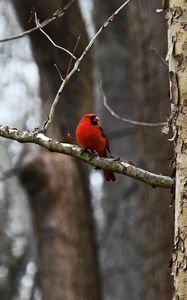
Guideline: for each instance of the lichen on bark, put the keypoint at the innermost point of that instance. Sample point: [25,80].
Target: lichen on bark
[177,37]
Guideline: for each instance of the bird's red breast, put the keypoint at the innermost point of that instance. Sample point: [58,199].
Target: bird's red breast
[91,136]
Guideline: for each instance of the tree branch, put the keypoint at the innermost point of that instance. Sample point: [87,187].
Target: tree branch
[50,39]
[129,121]
[117,166]
[75,68]
[56,15]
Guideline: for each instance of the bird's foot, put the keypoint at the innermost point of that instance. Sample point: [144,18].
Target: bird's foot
[130,162]
[115,158]
[86,150]
[118,158]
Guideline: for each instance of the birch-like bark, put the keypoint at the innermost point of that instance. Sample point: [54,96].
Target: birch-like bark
[177,42]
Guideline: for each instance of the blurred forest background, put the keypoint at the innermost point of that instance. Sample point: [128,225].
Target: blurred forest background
[64,232]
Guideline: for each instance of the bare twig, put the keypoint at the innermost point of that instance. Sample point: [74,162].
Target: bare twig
[58,70]
[164,6]
[46,123]
[118,166]
[160,57]
[56,15]
[77,63]
[50,39]
[75,48]
[112,112]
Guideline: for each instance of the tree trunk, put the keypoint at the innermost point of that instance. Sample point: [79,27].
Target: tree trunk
[120,247]
[177,42]
[138,233]
[150,90]
[64,228]
[57,184]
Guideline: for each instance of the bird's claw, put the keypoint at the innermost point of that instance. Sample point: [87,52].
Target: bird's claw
[86,150]
[117,158]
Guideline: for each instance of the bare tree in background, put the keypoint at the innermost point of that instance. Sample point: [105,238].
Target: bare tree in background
[56,184]
[139,222]
[58,187]
[150,90]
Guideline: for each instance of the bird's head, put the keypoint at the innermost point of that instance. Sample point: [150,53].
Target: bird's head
[91,119]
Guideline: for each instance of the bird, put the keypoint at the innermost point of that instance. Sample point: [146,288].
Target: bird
[90,135]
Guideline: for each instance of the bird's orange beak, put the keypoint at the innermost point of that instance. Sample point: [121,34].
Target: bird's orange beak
[97,119]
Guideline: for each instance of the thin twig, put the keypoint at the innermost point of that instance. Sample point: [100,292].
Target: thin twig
[46,123]
[70,62]
[58,70]
[77,63]
[112,112]
[57,14]
[160,56]
[50,39]
[118,166]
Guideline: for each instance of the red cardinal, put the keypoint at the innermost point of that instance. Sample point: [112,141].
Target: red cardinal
[90,135]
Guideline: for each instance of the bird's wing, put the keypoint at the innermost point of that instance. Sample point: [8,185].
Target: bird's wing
[104,136]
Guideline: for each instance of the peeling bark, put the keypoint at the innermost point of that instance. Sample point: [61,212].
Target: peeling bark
[177,36]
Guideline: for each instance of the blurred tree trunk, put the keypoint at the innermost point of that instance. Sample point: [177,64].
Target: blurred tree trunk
[119,246]
[139,222]
[150,91]
[177,45]
[57,184]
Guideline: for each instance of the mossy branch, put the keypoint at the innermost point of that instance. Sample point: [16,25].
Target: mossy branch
[117,166]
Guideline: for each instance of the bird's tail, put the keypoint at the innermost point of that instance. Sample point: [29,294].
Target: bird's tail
[109,175]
